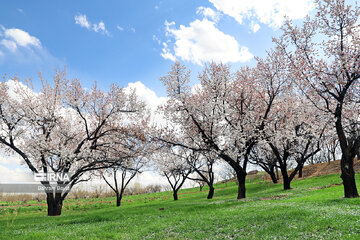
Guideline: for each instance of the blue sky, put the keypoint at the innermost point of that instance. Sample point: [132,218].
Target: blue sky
[133,43]
[130,41]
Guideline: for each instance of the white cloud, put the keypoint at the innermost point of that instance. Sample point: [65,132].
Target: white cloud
[270,12]
[18,43]
[166,53]
[11,45]
[254,26]
[151,100]
[81,19]
[100,27]
[20,47]
[201,42]
[146,94]
[132,29]
[16,175]
[21,37]
[209,13]
[20,10]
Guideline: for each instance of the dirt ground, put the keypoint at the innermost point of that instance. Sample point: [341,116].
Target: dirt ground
[326,168]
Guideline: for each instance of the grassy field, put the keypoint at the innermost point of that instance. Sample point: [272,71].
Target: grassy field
[313,209]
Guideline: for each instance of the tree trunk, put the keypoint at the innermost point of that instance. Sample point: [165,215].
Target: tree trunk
[273,177]
[287,183]
[334,156]
[300,171]
[286,179]
[211,192]
[201,187]
[348,177]
[241,186]
[175,195]
[54,204]
[118,199]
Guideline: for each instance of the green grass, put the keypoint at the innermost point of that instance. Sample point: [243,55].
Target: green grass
[313,209]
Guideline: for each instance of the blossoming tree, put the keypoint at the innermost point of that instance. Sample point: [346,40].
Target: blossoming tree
[324,55]
[62,128]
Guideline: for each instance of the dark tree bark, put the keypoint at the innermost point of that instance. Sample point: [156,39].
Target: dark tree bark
[241,187]
[239,170]
[175,195]
[347,170]
[119,198]
[273,177]
[287,183]
[349,150]
[348,177]
[286,179]
[282,161]
[54,203]
[211,192]
[301,170]
[269,168]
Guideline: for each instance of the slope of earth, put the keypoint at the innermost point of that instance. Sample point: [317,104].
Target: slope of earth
[326,168]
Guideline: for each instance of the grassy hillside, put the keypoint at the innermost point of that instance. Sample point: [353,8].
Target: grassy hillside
[313,209]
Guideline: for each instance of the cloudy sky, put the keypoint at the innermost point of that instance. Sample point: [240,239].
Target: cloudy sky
[134,43]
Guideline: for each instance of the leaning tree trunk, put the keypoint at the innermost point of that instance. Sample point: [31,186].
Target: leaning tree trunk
[211,192]
[273,177]
[348,177]
[54,203]
[271,171]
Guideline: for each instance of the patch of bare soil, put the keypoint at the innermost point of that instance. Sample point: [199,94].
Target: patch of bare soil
[326,186]
[277,197]
[326,168]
